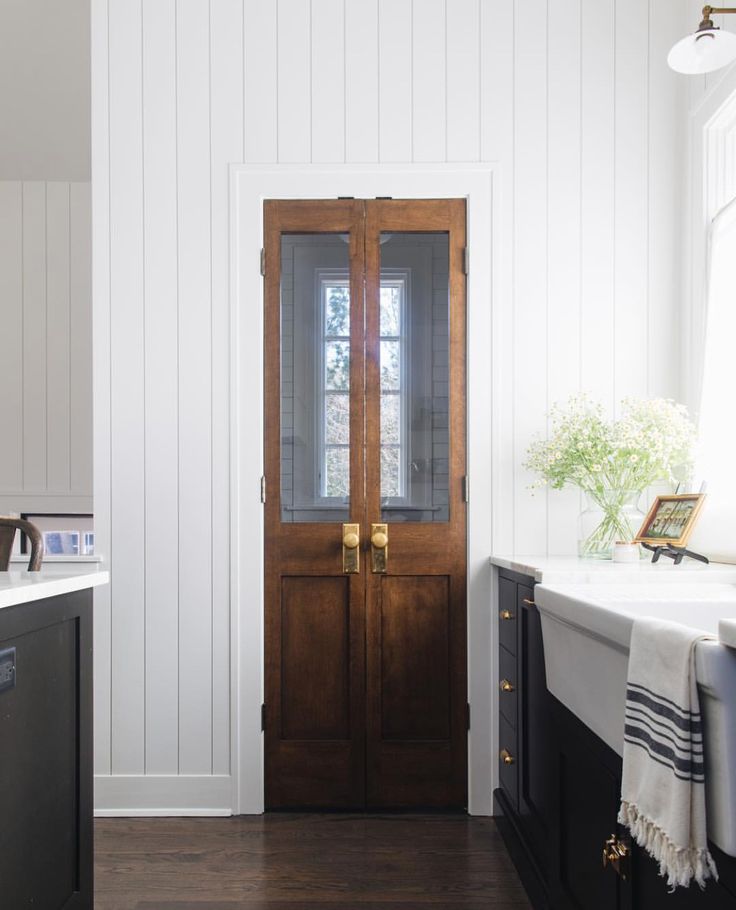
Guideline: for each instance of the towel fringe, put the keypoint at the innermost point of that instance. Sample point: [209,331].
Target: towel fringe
[679,864]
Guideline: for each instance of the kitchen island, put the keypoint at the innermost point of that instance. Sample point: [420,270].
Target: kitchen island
[46,736]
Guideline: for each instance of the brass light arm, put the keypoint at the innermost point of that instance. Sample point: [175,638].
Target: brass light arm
[709,10]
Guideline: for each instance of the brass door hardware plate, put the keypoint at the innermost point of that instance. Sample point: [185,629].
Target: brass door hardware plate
[379,548]
[616,854]
[351,549]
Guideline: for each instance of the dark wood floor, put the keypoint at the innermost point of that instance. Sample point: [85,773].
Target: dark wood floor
[288,862]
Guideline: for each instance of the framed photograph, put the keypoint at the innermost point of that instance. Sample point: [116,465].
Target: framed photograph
[64,533]
[671,520]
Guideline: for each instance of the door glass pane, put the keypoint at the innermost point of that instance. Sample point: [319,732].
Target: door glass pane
[414,369]
[315,377]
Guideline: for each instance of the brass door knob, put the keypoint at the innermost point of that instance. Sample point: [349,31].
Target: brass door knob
[506,614]
[506,686]
[506,757]
[351,540]
[379,540]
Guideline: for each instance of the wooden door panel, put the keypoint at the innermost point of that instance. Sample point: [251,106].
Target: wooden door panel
[315,658]
[315,696]
[416,612]
[366,675]
[314,614]
[415,660]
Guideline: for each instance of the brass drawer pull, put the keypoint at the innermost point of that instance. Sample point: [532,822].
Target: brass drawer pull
[529,603]
[506,757]
[506,686]
[506,614]
[616,854]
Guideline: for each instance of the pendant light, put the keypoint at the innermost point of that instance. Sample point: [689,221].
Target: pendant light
[707,49]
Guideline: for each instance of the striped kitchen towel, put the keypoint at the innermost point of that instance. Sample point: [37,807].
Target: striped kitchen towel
[663,787]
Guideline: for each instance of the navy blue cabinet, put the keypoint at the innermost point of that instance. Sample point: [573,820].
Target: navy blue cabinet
[558,798]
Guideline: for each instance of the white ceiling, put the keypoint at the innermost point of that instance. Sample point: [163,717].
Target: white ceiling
[44,90]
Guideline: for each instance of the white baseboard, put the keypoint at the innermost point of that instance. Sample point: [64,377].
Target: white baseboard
[159,795]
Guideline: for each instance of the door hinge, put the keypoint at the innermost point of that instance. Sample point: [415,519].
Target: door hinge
[466,260]
[263,717]
[263,489]
[466,489]
[384,197]
[467,716]
[263,262]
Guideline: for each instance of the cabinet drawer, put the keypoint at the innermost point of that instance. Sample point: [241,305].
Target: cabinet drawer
[508,761]
[507,676]
[507,613]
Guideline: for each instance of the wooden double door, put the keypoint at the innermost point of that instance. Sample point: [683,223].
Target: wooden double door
[365,510]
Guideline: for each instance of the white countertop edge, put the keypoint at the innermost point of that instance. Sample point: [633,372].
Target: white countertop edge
[24,587]
[573,570]
[55,559]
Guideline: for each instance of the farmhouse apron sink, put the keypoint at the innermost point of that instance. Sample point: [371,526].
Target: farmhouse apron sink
[587,632]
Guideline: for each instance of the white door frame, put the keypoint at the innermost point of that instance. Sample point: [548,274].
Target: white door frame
[488,316]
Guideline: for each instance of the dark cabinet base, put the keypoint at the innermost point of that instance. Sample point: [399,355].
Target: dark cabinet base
[46,755]
[587,774]
[559,809]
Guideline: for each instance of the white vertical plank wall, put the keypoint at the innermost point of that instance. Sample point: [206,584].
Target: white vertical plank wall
[45,347]
[575,103]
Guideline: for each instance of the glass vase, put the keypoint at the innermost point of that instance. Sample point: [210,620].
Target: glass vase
[609,516]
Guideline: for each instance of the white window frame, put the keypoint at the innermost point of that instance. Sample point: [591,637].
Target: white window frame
[389,277]
[326,278]
[401,277]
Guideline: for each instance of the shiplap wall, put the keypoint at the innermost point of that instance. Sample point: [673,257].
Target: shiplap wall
[576,103]
[45,347]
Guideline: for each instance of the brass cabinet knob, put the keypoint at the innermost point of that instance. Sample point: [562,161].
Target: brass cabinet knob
[379,540]
[506,686]
[506,757]
[351,540]
[506,614]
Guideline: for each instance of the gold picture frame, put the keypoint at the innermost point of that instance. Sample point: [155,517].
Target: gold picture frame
[671,520]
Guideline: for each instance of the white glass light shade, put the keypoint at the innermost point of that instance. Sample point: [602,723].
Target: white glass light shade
[702,52]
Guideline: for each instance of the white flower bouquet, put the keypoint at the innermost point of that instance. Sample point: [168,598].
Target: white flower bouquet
[613,461]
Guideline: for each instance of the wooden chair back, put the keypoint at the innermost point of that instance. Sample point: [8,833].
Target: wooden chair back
[8,527]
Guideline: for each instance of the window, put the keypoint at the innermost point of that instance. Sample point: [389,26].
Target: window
[334,392]
[334,417]
[717,431]
[393,387]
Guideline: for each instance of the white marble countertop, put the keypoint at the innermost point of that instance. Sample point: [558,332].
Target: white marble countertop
[573,570]
[17,587]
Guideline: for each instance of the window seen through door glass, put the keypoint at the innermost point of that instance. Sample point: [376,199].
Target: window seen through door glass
[414,371]
[315,377]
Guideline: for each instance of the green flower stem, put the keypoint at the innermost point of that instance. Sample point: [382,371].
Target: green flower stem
[614,525]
